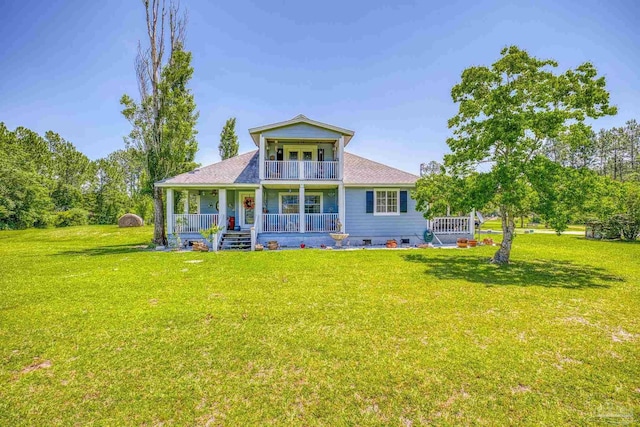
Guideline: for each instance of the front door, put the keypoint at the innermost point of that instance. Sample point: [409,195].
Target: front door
[247,210]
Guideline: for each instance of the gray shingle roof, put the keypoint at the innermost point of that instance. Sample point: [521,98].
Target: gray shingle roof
[361,171]
[243,169]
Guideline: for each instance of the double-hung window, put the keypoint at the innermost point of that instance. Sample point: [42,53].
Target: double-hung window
[312,203]
[289,204]
[386,202]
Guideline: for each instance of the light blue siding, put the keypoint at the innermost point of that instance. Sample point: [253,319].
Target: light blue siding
[301,130]
[271,199]
[362,225]
[208,203]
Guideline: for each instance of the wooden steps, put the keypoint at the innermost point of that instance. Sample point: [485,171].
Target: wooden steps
[236,240]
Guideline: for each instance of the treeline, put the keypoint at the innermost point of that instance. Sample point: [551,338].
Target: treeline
[614,153]
[45,181]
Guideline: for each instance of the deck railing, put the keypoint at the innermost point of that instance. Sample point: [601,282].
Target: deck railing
[290,223]
[193,223]
[450,225]
[281,223]
[327,222]
[325,170]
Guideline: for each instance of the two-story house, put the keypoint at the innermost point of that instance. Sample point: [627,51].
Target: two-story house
[298,186]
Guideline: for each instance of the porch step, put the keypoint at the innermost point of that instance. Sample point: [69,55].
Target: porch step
[236,240]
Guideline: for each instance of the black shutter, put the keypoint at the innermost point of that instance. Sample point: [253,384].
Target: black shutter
[403,201]
[369,201]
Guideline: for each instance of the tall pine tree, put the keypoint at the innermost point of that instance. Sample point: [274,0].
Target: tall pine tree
[228,140]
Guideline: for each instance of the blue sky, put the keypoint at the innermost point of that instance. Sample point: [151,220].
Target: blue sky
[382,69]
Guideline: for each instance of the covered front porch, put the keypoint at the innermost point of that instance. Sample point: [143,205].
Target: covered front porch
[275,208]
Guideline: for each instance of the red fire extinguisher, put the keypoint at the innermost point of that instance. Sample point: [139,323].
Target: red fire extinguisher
[232,223]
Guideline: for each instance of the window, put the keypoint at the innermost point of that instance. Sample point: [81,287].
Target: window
[312,203]
[386,202]
[290,203]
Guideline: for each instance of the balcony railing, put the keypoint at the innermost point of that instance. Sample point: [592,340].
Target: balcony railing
[193,223]
[450,225]
[290,223]
[308,170]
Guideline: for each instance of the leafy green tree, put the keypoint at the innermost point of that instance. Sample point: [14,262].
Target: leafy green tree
[24,194]
[164,119]
[506,113]
[72,172]
[228,140]
[112,199]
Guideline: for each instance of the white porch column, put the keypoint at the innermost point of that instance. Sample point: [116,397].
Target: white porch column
[222,207]
[472,222]
[185,202]
[169,202]
[261,157]
[342,208]
[301,208]
[340,153]
[257,224]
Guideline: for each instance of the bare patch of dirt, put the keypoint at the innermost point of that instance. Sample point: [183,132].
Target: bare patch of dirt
[36,366]
[620,335]
[520,388]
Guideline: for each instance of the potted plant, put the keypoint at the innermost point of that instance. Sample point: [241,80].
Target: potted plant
[392,243]
[472,243]
[462,242]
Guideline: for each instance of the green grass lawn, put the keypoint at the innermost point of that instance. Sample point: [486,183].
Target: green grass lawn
[496,224]
[96,331]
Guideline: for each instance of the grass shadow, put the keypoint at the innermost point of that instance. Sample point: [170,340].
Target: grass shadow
[105,250]
[545,273]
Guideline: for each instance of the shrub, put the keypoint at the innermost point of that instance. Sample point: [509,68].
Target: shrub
[622,225]
[75,216]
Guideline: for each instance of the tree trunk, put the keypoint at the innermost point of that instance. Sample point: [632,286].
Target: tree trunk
[159,234]
[508,232]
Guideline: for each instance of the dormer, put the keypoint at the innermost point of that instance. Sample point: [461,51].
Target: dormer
[301,149]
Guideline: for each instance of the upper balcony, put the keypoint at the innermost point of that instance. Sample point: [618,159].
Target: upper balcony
[302,170]
[300,149]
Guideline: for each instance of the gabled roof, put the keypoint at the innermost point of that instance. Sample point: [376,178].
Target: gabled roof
[242,169]
[300,118]
[361,171]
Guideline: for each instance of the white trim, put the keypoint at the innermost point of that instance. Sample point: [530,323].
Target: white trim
[375,202]
[306,193]
[204,186]
[381,186]
[300,119]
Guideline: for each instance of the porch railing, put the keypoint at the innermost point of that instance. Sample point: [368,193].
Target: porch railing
[327,222]
[281,223]
[450,225]
[325,170]
[290,223]
[193,223]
